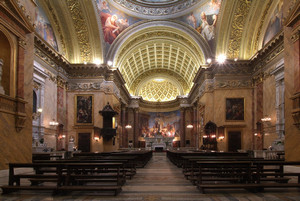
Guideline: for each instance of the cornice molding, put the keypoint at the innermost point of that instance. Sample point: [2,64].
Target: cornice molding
[268,53]
[231,67]
[78,71]
[15,17]
[50,56]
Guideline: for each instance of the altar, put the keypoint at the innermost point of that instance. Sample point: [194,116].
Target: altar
[158,142]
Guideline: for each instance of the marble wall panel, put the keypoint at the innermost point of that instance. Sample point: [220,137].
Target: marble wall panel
[269,104]
[50,100]
[292,134]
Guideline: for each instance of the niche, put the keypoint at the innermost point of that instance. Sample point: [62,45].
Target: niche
[5,55]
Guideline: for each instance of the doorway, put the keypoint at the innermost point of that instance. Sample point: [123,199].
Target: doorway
[234,141]
[84,142]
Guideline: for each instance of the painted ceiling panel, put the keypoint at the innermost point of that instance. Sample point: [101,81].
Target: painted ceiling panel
[96,27]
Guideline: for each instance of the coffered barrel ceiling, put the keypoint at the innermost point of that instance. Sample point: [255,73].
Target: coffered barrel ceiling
[158,45]
[159,50]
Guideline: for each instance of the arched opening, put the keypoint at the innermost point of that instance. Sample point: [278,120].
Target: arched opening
[6,57]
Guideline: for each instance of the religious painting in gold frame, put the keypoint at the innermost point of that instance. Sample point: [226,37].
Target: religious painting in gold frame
[235,109]
[84,109]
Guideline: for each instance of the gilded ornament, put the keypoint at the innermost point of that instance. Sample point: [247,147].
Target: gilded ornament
[235,38]
[295,35]
[81,29]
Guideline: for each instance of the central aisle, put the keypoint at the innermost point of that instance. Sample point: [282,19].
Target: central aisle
[159,176]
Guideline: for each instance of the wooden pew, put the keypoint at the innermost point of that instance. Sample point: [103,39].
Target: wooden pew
[176,156]
[127,170]
[257,178]
[66,177]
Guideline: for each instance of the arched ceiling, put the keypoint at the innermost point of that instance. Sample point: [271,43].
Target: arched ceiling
[158,51]
[160,44]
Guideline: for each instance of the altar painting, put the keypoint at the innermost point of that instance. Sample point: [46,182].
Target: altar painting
[165,124]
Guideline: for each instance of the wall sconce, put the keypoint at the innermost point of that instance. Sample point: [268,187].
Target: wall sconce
[36,115]
[190,126]
[221,138]
[221,133]
[53,123]
[61,137]
[96,138]
[128,126]
[266,119]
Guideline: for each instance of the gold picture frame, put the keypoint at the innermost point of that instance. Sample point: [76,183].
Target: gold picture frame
[84,109]
[235,109]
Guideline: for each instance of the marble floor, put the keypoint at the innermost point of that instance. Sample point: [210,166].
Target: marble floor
[159,180]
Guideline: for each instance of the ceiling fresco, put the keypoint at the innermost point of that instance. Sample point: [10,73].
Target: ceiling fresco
[275,24]
[44,28]
[203,19]
[157,38]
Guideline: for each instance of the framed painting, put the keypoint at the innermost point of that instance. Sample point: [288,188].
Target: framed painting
[235,109]
[84,109]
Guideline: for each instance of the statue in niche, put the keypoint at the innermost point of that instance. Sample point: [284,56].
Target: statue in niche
[1,88]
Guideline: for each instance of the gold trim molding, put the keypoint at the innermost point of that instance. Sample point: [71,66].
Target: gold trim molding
[80,29]
[235,38]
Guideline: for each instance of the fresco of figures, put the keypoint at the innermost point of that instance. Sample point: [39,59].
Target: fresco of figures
[44,28]
[113,21]
[204,20]
[165,124]
[275,24]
